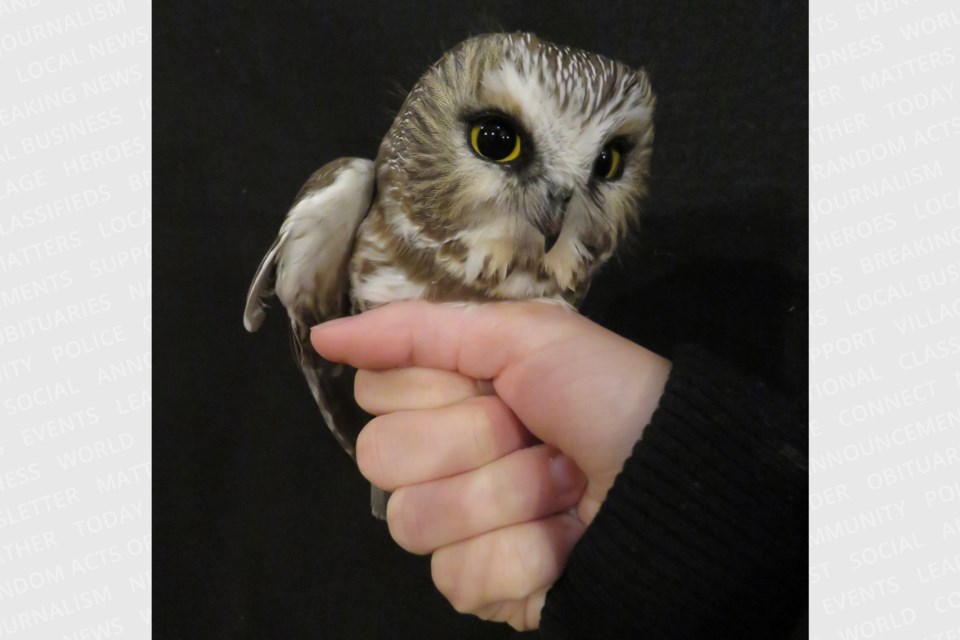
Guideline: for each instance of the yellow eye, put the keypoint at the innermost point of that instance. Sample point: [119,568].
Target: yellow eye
[495,139]
[609,164]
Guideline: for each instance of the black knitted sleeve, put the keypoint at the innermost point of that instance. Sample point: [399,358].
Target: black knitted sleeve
[704,533]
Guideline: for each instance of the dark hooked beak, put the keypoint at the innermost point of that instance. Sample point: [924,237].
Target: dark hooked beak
[552,226]
[551,232]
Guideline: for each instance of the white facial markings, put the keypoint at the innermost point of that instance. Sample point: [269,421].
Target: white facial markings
[507,88]
[481,182]
[494,214]
[569,137]
[569,122]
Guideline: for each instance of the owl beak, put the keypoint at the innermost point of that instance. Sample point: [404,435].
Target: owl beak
[551,227]
[551,232]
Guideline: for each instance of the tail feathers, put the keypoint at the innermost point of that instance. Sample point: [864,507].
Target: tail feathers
[332,388]
[331,384]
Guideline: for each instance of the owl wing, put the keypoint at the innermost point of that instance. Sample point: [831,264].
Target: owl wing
[306,267]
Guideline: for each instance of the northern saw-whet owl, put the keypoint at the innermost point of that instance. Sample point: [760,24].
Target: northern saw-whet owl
[513,171]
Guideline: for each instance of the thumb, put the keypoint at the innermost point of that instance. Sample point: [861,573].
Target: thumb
[477,340]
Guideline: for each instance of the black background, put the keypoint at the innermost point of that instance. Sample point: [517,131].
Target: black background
[261,522]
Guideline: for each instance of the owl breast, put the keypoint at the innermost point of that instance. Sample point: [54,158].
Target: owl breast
[393,261]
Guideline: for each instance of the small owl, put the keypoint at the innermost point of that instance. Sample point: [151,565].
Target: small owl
[513,171]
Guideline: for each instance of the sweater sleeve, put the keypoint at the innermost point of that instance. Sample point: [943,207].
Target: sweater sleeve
[703,534]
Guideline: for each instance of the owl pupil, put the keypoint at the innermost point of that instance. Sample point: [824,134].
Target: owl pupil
[609,164]
[496,140]
[604,163]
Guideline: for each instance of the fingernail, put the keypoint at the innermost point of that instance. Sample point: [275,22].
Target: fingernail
[566,473]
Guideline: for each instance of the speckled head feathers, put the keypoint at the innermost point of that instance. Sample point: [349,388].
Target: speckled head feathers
[492,219]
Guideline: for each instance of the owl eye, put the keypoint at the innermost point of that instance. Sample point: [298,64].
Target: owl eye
[609,164]
[495,139]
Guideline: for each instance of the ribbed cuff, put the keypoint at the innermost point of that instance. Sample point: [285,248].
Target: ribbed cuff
[703,534]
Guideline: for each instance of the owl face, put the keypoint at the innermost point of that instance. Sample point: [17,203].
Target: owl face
[523,162]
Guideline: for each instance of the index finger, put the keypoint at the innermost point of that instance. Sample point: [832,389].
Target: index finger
[476,340]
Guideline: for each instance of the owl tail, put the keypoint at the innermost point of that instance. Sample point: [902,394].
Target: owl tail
[378,502]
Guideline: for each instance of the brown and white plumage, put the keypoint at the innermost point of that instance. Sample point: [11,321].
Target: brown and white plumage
[452,216]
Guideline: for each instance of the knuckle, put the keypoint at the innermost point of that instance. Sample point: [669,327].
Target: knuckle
[444,572]
[479,424]
[530,488]
[447,571]
[460,606]
[363,391]
[519,487]
[483,495]
[369,459]
[531,612]
[524,568]
[404,521]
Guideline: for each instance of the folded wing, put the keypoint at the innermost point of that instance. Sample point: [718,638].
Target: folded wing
[306,268]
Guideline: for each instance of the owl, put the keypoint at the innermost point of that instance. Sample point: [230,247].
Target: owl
[513,170]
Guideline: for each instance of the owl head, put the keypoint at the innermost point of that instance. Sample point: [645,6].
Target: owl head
[522,162]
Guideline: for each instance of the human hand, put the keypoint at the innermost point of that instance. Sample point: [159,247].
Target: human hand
[499,511]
